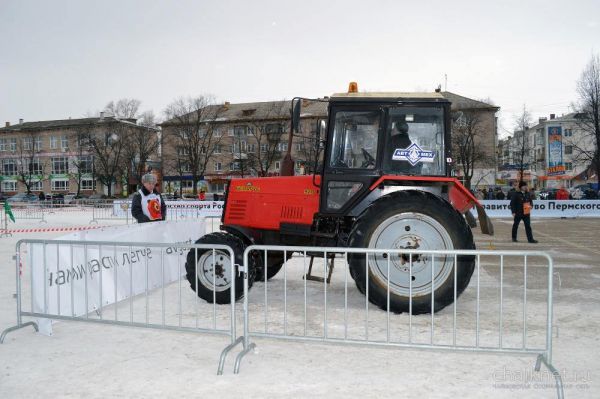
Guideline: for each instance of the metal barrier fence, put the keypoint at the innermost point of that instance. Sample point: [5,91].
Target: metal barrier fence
[24,211]
[492,315]
[136,284]
[506,309]
[105,210]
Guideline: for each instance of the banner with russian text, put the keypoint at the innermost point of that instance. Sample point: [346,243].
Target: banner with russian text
[62,274]
[545,209]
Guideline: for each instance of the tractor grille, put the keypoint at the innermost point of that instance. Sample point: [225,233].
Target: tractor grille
[237,209]
[291,212]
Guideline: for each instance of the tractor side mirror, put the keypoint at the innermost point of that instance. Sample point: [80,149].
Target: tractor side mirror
[296,107]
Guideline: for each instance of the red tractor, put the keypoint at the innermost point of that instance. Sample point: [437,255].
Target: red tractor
[384,182]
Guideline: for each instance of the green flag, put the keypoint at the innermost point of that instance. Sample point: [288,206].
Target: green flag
[8,211]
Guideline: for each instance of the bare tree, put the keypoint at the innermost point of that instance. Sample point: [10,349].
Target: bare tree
[83,162]
[308,149]
[191,130]
[140,144]
[125,108]
[108,149]
[521,145]
[588,115]
[266,134]
[30,169]
[467,131]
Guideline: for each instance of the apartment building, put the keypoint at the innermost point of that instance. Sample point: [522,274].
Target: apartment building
[55,156]
[552,149]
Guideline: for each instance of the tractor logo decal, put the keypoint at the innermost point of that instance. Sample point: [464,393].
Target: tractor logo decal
[413,154]
[247,188]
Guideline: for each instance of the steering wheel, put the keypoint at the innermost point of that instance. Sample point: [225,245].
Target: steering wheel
[369,160]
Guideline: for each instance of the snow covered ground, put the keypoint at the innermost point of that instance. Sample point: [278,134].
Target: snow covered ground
[91,360]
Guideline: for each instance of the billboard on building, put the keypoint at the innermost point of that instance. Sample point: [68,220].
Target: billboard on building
[555,161]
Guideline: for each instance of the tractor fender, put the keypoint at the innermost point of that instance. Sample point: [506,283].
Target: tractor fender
[383,191]
[241,232]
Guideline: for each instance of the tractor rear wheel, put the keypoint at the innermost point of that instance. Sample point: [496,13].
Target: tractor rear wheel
[209,273]
[411,220]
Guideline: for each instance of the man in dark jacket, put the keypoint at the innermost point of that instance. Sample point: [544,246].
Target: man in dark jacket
[521,205]
[147,204]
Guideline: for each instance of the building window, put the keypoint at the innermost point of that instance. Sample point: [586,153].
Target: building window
[282,147]
[35,167]
[27,143]
[9,167]
[277,165]
[183,151]
[274,128]
[263,148]
[230,132]
[251,148]
[217,187]
[234,166]
[13,144]
[88,184]
[86,164]
[60,185]
[240,131]
[217,132]
[217,149]
[53,142]
[184,166]
[568,132]
[2,144]
[36,186]
[218,167]
[9,186]
[60,165]
[569,165]
[38,144]
[64,142]
[568,149]
[298,165]
[299,146]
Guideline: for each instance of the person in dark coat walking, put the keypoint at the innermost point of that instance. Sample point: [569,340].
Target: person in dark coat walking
[520,206]
[147,204]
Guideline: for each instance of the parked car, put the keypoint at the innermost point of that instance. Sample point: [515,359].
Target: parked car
[23,197]
[548,194]
[72,198]
[97,196]
[584,191]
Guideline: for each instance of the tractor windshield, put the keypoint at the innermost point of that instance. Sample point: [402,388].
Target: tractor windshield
[415,141]
[355,137]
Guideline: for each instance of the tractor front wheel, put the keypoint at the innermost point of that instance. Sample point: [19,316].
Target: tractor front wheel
[210,271]
[413,220]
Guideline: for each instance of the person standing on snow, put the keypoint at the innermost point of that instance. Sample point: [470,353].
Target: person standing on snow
[521,205]
[147,204]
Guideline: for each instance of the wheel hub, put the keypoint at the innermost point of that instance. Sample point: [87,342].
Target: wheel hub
[410,231]
[215,270]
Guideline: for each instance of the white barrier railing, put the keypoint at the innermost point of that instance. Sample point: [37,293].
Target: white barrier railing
[127,283]
[493,315]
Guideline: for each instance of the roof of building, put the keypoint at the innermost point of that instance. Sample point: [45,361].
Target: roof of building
[464,103]
[268,110]
[389,95]
[63,123]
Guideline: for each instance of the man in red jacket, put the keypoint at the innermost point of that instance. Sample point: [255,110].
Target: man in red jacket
[562,194]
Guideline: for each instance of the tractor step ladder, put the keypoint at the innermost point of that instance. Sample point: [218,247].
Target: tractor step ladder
[309,275]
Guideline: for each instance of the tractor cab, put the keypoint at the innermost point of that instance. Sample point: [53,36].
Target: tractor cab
[381,134]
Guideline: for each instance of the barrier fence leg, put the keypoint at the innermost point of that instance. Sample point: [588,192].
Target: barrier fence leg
[248,346]
[20,323]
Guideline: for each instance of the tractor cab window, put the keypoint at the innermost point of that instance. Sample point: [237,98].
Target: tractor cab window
[354,143]
[415,141]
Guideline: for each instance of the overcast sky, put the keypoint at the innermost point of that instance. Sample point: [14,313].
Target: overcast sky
[61,59]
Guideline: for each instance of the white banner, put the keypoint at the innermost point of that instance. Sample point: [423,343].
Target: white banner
[71,270]
[544,209]
[177,209]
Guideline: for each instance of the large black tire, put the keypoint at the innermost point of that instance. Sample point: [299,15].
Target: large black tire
[203,284]
[390,217]
[275,262]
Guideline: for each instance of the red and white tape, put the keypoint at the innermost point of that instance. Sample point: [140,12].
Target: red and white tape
[53,229]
